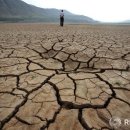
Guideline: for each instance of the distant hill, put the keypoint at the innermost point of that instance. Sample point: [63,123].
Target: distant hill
[126,21]
[17,10]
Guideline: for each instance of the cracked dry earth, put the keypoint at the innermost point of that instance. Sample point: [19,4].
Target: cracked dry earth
[71,78]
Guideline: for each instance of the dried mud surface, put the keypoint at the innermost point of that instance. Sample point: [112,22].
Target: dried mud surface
[71,78]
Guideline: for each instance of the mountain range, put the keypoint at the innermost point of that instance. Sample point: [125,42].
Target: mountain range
[19,11]
[126,21]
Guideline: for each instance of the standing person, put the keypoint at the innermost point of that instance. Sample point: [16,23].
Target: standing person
[61,18]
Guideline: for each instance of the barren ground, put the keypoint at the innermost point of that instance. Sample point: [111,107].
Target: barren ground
[71,78]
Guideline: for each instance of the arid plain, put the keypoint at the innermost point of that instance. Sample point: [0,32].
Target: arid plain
[75,77]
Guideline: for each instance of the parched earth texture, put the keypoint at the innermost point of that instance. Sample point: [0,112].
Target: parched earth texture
[75,77]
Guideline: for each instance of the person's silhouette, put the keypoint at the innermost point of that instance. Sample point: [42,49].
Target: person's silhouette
[61,18]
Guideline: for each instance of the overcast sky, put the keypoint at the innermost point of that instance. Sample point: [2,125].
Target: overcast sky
[102,10]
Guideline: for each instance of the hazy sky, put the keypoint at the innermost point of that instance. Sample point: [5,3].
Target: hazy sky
[102,10]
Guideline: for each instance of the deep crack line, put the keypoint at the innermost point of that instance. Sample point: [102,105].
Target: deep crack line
[57,94]
[123,101]
[82,121]
[16,109]
[70,105]
[23,121]
[75,85]
[11,115]
[110,85]
[50,121]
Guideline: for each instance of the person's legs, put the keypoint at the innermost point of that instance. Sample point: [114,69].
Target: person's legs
[62,21]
